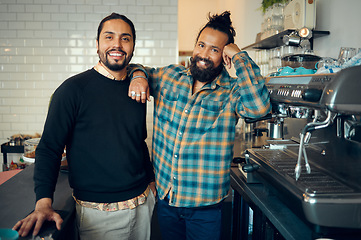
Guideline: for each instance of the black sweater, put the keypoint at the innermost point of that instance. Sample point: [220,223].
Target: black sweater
[104,132]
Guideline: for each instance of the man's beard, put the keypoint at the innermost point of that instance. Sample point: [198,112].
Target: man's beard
[118,65]
[204,75]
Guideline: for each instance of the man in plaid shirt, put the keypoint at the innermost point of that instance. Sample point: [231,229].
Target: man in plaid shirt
[196,110]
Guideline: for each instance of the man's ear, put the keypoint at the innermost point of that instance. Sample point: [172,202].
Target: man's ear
[226,61]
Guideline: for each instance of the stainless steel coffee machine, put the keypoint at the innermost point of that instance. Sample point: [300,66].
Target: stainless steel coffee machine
[316,165]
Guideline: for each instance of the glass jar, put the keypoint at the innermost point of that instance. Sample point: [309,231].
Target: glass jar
[29,148]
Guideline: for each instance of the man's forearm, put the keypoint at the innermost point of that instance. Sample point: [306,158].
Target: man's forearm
[137,70]
[254,95]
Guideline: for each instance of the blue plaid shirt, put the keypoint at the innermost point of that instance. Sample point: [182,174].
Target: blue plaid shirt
[193,134]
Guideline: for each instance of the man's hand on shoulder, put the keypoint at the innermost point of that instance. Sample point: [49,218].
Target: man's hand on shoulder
[43,212]
[139,88]
[228,52]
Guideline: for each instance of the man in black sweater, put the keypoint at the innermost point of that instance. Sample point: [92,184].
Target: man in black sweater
[104,132]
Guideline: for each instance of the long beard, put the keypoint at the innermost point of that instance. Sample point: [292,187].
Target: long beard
[204,75]
[118,65]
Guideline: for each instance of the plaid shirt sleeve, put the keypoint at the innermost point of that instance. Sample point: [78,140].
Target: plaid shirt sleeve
[193,134]
[254,101]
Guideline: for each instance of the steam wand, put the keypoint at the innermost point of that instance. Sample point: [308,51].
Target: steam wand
[302,150]
[306,140]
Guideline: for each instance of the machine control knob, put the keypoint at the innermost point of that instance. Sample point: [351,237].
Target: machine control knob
[250,167]
[312,95]
[239,160]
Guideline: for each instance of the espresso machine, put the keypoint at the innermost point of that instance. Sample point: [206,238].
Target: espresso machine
[315,164]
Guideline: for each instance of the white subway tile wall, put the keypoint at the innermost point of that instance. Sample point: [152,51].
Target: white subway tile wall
[43,42]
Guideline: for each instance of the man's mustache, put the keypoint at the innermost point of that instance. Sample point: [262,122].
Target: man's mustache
[207,61]
[118,50]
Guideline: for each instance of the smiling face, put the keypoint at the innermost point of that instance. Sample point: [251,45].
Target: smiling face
[115,46]
[207,55]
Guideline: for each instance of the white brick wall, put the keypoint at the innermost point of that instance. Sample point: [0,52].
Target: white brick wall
[43,42]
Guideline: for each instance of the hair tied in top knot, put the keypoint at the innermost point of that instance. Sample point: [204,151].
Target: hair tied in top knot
[223,18]
[221,22]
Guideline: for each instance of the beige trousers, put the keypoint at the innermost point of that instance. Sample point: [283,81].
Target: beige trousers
[127,224]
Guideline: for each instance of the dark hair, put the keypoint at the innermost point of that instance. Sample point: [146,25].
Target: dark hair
[116,16]
[220,23]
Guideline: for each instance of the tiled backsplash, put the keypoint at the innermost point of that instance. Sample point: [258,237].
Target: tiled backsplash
[43,42]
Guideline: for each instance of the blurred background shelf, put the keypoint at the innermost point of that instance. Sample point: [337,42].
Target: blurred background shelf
[276,40]
[7,148]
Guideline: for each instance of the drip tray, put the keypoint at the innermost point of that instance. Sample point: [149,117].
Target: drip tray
[326,200]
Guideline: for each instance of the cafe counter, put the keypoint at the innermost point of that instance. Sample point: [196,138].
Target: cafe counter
[18,200]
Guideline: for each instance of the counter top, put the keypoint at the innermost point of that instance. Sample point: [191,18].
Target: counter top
[18,200]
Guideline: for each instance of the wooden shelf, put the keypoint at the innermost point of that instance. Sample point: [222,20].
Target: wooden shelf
[276,40]
[185,53]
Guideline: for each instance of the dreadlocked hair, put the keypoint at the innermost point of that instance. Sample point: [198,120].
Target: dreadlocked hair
[221,23]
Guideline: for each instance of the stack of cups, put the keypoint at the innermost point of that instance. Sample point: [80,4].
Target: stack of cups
[275,59]
[262,60]
[270,60]
[272,21]
[277,18]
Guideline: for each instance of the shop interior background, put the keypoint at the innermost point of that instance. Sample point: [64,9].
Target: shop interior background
[43,42]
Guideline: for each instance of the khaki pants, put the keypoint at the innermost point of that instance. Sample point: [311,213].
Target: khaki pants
[124,224]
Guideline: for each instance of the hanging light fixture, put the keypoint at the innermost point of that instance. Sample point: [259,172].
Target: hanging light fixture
[305,33]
